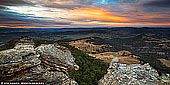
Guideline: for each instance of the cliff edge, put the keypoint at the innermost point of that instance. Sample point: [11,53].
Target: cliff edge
[134,74]
[46,63]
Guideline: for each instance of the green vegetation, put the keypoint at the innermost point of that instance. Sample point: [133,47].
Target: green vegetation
[159,66]
[9,45]
[39,42]
[134,45]
[91,69]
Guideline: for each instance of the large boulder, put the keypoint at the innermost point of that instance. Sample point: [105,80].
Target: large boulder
[46,63]
[134,74]
[57,56]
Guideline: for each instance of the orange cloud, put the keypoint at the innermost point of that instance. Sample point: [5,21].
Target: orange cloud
[37,26]
[3,26]
[98,15]
[65,2]
[88,16]
[19,26]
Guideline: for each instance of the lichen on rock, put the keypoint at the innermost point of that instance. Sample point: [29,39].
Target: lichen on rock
[47,63]
[134,74]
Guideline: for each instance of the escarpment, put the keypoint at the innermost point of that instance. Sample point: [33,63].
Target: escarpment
[48,63]
[134,74]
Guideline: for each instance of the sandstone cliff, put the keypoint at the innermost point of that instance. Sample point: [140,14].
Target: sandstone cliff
[47,63]
[134,74]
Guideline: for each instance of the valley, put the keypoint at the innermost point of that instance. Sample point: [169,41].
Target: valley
[95,49]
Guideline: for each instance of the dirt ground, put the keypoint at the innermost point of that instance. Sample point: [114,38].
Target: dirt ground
[165,62]
[108,56]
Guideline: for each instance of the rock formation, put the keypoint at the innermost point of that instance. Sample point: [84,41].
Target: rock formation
[46,63]
[134,74]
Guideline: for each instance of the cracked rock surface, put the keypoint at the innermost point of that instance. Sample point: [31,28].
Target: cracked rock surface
[46,63]
[134,74]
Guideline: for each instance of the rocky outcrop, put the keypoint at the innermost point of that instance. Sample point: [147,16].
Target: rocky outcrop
[46,63]
[134,74]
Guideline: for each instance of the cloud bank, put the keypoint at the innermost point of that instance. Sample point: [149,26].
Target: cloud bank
[83,13]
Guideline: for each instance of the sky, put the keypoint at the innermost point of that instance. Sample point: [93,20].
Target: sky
[83,13]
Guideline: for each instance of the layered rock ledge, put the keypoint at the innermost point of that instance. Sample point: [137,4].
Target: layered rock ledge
[134,74]
[46,63]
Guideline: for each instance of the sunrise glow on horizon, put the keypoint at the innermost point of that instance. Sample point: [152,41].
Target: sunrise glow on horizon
[83,13]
